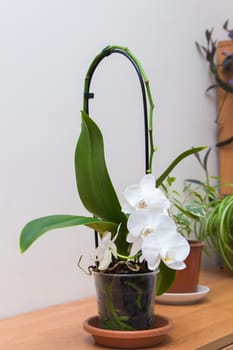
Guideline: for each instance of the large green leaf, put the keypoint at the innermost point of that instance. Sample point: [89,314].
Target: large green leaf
[93,181]
[35,228]
[175,162]
[165,279]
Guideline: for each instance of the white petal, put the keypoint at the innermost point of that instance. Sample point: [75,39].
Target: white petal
[174,251]
[144,194]
[152,194]
[161,221]
[133,194]
[113,249]
[105,261]
[106,237]
[175,265]
[180,245]
[151,251]
[153,265]
[105,250]
[131,238]
[136,246]
[136,222]
[152,258]
[158,198]
[148,182]
[127,208]
[151,244]
[153,219]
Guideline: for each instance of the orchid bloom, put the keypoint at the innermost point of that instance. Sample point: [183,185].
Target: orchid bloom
[142,223]
[105,250]
[154,232]
[143,195]
[172,249]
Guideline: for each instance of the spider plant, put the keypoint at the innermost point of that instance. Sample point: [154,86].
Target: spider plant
[200,210]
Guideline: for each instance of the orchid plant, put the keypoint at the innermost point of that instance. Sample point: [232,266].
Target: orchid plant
[140,235]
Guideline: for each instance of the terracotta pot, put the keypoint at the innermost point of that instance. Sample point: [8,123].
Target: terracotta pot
[126,301]
[186,280]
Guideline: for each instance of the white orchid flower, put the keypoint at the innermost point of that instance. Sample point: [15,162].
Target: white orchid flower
[154,232]
[143,195]
[142,223]
[172,249]
[106,249]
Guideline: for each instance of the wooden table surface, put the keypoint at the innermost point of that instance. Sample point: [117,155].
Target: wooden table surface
[60,327]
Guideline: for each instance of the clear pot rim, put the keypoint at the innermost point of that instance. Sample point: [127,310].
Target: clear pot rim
[133,274]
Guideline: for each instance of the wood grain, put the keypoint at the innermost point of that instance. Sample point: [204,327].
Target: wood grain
[225,123]
[60,327]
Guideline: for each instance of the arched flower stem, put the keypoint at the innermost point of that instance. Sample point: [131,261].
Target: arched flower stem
[146,96]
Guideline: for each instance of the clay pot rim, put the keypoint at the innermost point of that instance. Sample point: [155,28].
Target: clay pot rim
[196,243]
[90,325]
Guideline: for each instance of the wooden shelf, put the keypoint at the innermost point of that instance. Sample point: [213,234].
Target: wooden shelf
[60,327]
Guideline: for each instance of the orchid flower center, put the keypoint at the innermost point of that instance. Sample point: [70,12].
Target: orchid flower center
[169,257]
[142,204]
[147,231]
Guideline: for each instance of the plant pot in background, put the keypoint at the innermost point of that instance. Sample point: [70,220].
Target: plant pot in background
[186,280]
[126,301]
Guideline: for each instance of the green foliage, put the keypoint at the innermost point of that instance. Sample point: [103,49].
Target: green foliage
[35,228]
[191,205]
[200,209]
[165,279]
[210,55]
[188,207]
[175,162]
[93,181]
[94,184]
[218,225]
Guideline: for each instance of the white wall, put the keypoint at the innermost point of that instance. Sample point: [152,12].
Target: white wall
[46,47]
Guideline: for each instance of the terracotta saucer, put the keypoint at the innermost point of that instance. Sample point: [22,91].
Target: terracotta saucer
[128,339]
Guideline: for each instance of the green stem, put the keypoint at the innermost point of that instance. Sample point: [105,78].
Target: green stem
[126,257]
[151,106]
[151,103]
[97,59]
